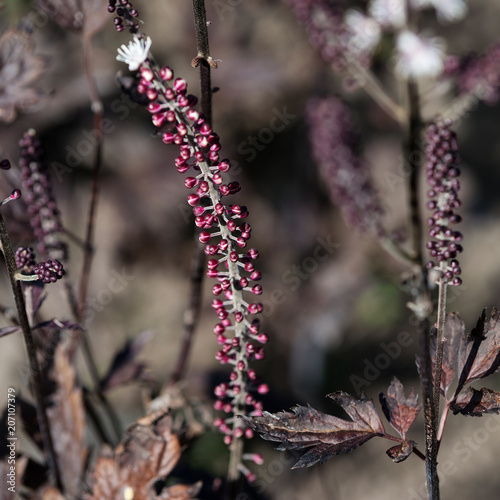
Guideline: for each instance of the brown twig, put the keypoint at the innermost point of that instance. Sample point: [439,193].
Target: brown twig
[82,339]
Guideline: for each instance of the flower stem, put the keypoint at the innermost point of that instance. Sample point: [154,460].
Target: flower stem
[192,313]
[35,371]
[441,314]
[430,414]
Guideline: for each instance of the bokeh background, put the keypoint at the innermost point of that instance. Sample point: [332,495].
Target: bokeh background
[326,327]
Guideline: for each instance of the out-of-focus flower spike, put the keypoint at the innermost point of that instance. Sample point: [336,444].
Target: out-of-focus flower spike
[335,146]
[45,218]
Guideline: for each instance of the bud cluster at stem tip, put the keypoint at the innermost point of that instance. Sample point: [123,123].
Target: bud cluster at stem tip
[224,233]
[442,177]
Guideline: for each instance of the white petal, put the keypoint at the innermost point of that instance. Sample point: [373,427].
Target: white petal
[418,56]
[389,13]
[364,32]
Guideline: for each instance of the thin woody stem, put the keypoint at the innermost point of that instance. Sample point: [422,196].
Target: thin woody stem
[35,371]
[97,111]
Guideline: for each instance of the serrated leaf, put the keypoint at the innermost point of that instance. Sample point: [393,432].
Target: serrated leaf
[475,402]
[401,452]
[400,411]
[480,352]
[307,427]
[148,452]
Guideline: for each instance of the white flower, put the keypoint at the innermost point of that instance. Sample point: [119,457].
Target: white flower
[389,13]
[447,10]
[135,53]
[364,32]
[418,56]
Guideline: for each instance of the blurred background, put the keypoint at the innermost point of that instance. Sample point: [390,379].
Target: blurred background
[329,321]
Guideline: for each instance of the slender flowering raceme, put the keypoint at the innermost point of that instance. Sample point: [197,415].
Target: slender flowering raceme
[442,177]
[225,235]
[334,146]
[45,218]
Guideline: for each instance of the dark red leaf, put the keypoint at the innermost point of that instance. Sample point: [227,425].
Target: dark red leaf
[480,352]
[401,452]
[125,367]
[400,411]
[328,435]
[475,402]
[148,453]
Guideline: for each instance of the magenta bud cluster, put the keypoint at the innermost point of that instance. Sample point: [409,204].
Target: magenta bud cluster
[45,218]
[126,15]
[442,176]
[224,232]
[49,271]
[25,259]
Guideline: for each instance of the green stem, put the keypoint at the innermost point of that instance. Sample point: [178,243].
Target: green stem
[35,371]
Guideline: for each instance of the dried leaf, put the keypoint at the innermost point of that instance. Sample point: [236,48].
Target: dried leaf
[480,353]
[475,402]
[401,452]
[20,71]
[454,329]
[148,452]
[67,421]
[328,435]
[399,410]
[125,367]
